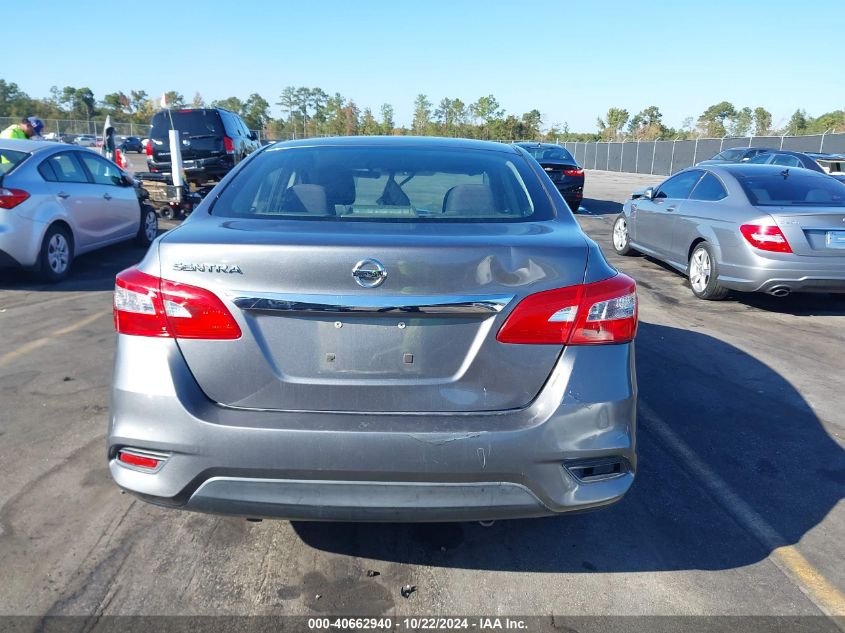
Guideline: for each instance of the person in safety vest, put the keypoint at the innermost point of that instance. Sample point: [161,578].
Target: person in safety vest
[28,128]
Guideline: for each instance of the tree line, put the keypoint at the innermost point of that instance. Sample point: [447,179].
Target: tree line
[719,120]
[314,112]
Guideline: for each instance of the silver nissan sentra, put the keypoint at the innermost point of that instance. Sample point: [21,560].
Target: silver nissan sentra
[376,329]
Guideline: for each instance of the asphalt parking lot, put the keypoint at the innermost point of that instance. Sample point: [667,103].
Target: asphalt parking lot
[737,509]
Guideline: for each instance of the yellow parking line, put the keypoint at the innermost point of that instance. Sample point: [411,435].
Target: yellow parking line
[26,348]
[787,558]
[811,579]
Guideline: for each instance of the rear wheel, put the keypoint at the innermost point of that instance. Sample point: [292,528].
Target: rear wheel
[703,274]
[56,255]
[621,238]
[149,226]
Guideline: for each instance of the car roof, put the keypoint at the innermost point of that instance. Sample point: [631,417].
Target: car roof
[398,141]
[21,145]
[788,152]
[539,144]
[746,169]
[818,156]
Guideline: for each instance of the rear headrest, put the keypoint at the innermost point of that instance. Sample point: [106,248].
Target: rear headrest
[305,199]
[469,200]
[818,195]
[761,194]
[339,186]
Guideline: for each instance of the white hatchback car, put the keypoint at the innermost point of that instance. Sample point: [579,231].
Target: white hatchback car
[57,202]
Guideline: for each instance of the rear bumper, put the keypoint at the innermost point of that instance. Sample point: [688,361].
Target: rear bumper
[7,261]
[20,240]
[795,273]
[375,467]
[215,167]
[366,500]
[572,193]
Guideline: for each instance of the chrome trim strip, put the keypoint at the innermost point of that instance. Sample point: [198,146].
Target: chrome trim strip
[442,305]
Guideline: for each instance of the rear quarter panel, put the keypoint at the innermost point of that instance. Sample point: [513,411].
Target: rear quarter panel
[716,222]
[40,211]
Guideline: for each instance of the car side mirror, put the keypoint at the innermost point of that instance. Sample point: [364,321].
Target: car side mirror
[253,136]
[648,194]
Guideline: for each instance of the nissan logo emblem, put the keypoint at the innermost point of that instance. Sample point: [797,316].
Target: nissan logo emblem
[369,273]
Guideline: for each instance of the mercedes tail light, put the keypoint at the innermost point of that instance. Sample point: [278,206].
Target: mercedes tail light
[766,237]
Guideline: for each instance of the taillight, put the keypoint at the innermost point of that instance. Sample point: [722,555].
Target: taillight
[149,148]
[765,237]
[587,314]
[10,198]
[573,172]
[228,145]
[148,306]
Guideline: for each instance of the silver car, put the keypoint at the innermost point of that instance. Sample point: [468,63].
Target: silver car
[57,202]
[753,228]
[86,140]
[394,329]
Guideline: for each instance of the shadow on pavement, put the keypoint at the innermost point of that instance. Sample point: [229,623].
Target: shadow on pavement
[601,207]
[807,304]
[748,424]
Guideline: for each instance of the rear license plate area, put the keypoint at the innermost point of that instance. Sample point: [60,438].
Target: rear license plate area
[835,239]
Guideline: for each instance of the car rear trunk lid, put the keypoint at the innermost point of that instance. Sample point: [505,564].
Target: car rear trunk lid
[422,341]
[813,231]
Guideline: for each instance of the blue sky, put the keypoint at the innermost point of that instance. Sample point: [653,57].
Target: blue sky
[570,60]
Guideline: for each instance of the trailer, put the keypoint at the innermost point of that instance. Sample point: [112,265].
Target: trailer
[169,201]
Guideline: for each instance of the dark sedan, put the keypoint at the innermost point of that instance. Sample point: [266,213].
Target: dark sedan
[736,155]
[815,162]
[132,144]
[561,167]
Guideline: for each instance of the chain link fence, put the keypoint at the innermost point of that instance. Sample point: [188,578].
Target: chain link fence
[664,158]
[71,127]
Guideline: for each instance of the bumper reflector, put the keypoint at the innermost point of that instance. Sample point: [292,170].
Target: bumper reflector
[141,459]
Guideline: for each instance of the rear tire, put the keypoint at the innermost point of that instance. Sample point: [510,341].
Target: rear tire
[620,236]
[703,272]
[56,255]
[148,230]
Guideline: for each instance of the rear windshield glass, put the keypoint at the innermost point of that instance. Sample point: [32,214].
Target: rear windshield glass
[549,153]
[9,159]
[760,159]
[791,188]
[191,123]
[386,184]
[729,154]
